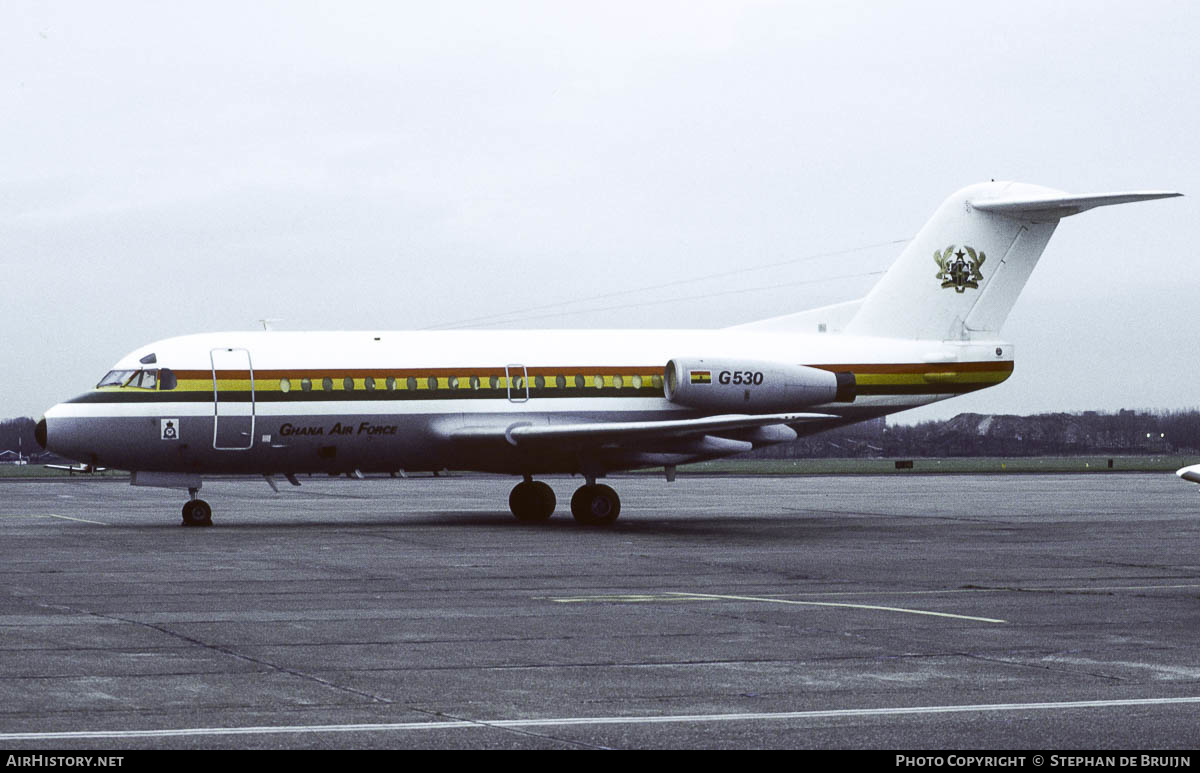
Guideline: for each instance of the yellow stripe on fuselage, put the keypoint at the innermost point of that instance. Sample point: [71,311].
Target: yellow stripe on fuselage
[872,378]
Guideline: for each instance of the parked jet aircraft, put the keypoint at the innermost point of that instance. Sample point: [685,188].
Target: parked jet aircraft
[71,469]
[1191,473]
[579,401]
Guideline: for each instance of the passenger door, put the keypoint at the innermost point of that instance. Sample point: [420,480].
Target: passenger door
[517,378]
[233,399]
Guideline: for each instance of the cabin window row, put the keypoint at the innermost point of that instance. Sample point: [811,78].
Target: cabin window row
[413,383]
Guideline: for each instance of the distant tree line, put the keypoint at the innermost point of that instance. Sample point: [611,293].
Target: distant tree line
[973,434]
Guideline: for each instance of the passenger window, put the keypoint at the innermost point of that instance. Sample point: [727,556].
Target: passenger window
[369,383]
[432,382]
[348,384]
[391,383]
[580,381]
[598,382]
[618,382]
[539,382]
[637,382]
[453,382]
[560,381]
[306,384]
[412,382]
[285,385]
[327,384]
[474,382]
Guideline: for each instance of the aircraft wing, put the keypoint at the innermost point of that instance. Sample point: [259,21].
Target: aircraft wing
[1191,473]
[632,432]
[87,469]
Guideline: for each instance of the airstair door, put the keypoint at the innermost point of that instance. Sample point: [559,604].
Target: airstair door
[233,399]
[517,378]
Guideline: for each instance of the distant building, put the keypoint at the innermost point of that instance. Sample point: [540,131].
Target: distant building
[12,457]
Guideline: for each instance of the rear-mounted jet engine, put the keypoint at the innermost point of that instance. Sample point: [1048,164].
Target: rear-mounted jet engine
[759,386]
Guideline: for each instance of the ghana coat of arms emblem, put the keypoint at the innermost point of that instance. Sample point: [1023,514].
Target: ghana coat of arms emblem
[960,269]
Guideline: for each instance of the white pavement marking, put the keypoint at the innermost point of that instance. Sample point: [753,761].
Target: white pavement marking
[680,596]
[837,604]
[631,597]
[52,515]
[575,721]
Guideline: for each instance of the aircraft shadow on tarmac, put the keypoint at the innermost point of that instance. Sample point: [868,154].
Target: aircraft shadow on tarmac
[805,527]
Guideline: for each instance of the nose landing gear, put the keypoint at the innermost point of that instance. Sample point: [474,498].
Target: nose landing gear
[196,512]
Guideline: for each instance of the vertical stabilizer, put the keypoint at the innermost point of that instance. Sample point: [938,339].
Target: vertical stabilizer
[960,276]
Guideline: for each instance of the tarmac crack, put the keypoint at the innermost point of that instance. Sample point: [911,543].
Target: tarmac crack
[228,652]
[827,511]
[1042,667]
[892,516]
[443,716]
[318,680]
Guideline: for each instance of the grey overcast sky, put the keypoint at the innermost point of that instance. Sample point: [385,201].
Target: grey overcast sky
[170,168]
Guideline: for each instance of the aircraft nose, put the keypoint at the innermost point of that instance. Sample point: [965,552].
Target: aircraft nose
[39,432]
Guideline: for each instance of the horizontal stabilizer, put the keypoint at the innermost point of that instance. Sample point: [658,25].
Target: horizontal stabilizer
[1054,207]
[961,274]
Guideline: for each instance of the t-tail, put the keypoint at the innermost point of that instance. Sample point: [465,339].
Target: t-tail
[960,276]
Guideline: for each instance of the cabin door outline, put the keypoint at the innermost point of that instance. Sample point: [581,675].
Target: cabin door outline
[517,378]
[233,414]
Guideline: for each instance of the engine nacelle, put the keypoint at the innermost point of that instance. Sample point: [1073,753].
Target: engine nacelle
[741,386]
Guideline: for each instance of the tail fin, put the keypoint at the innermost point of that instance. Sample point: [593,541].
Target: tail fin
[961,275]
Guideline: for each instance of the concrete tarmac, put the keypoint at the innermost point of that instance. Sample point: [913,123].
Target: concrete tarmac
[1041,612]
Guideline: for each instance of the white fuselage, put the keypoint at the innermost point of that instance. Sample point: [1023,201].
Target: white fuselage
[279,402]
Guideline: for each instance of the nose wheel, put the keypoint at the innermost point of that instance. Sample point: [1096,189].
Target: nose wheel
[196,512]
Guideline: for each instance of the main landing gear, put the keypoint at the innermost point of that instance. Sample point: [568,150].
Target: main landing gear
[196,512]
[531,501]
[595,505]
[592,504]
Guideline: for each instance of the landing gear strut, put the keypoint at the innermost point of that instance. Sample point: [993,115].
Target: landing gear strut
[592,505]
[196,512]
[531,501]
[595,505]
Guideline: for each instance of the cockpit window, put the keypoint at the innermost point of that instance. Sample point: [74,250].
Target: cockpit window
[116,378]
[138,379]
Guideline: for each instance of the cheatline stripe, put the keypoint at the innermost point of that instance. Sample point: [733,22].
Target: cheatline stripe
[265,396]
[554,370]
[359,395]
[459,724]
[881,379]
